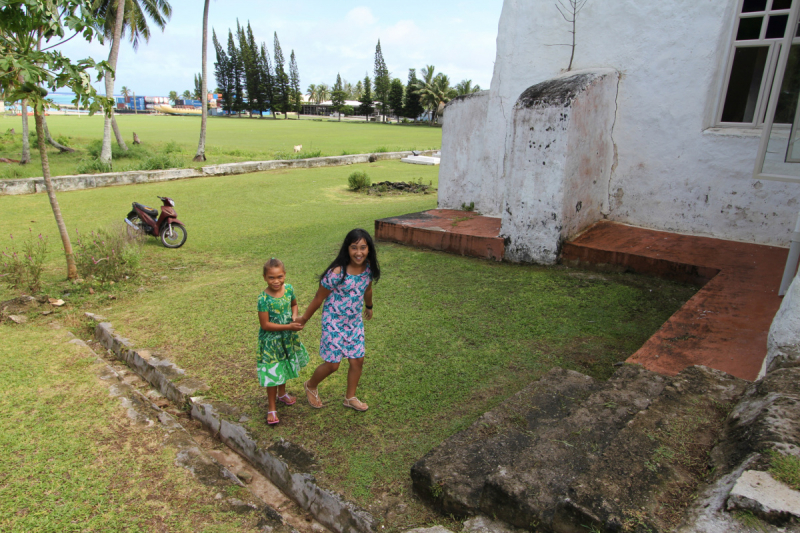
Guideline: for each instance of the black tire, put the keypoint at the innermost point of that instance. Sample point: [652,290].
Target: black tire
[174,239]
[133,216]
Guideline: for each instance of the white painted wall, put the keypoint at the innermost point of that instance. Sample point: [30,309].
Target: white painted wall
[671,172]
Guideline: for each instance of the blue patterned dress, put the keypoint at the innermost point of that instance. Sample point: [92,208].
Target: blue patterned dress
[281,355]
[342,324]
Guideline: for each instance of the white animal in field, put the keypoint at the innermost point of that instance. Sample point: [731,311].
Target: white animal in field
[298,148]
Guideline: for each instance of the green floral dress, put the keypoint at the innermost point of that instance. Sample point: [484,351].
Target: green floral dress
[281,355]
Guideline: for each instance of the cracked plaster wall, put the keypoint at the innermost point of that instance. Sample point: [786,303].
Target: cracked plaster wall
[672,172]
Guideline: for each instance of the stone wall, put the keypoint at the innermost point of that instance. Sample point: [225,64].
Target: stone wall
[109,179]
[672,171]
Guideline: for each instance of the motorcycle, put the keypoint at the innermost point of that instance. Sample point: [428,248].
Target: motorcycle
[166,226]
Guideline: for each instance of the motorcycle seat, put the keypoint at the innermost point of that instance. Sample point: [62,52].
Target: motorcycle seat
[153,213]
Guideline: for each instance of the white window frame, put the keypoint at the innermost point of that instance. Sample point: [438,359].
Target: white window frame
[769,67]
[772,105]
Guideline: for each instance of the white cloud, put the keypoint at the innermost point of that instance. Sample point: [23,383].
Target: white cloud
[360,16]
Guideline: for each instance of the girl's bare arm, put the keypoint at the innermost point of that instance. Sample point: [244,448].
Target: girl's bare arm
[368,302]
[318,300]
[266,325]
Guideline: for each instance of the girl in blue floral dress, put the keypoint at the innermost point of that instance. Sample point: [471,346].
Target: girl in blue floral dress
[346,291]
[281,354]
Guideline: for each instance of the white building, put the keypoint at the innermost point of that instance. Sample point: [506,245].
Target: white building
[661,131]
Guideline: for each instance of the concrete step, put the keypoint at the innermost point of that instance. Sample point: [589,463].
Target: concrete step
[570,453]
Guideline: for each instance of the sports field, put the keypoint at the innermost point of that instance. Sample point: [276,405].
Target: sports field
[172,140]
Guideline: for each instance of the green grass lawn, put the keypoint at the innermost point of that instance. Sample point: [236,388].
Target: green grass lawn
[70,460]
[228,140]
[451,338]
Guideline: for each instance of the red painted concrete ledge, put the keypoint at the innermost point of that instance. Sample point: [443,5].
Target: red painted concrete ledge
[448,230]
[725,325]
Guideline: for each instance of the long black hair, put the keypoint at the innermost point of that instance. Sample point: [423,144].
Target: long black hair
[343,259]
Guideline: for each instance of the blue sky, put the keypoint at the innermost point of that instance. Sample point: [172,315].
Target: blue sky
[456,36]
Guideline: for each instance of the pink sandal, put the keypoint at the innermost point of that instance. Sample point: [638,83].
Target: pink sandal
[276,418]
[286,399]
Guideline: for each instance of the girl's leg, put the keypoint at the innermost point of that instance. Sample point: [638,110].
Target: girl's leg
[272,416]
[285,397]
[321,372]
[353,375]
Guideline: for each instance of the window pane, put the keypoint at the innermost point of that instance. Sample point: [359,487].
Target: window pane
[744,84]
[750,6]
[749,29]
[781,4]
[787,101]
[776,27]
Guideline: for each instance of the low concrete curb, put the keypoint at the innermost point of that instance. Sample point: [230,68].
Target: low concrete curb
[330,509]
[111,179]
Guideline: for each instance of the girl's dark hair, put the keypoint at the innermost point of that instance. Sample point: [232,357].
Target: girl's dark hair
[273,263]
[343,259]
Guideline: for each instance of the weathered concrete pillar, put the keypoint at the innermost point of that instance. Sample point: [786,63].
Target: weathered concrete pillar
[783,342]
[559,163]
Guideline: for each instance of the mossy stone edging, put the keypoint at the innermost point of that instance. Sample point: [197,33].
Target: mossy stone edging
[329,509]
[111,179]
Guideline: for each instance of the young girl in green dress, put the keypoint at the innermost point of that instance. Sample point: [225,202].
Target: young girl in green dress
[281,354]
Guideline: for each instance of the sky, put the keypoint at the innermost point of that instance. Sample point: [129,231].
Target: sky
[456,36]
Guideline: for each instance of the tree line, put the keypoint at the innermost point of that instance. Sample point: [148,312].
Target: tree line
[249,80]
[389,95]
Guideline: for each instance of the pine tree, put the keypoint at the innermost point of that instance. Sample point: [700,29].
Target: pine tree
[382,82]
[267,79]
[396,98]
[294,79]
[222,69]
[252,72]
[338,96]
[236,74]
[282,91]
[412,107]
[366,108]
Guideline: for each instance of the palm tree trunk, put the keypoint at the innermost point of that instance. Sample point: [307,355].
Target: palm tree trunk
[105,153]
[117,133]
[26,142]
[201,145]
[72,270]
[49,138]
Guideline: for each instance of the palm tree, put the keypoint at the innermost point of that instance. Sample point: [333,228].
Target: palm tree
[465,87]
[173,96]
[186,95]
[323,92]
[201,145]
[125,92]
[105,153]
[434,91]
[312,93]
[133,15]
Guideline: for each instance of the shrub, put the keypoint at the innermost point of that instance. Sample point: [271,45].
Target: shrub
[108,255]
[64,140]
[160,162]
[380,150]
[134,151]
[172,147]
[23,269]
[91,166]
[358,180]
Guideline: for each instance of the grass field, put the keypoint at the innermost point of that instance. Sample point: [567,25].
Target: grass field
[70,460]
[451,338]
[228,140]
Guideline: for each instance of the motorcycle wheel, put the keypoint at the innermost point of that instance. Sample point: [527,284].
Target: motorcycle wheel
[175,238]
[134,218]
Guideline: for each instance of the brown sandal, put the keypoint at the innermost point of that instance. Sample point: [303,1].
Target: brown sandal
[313,396]
[355,403]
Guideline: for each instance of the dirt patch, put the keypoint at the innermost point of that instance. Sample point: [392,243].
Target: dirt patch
[398,187]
